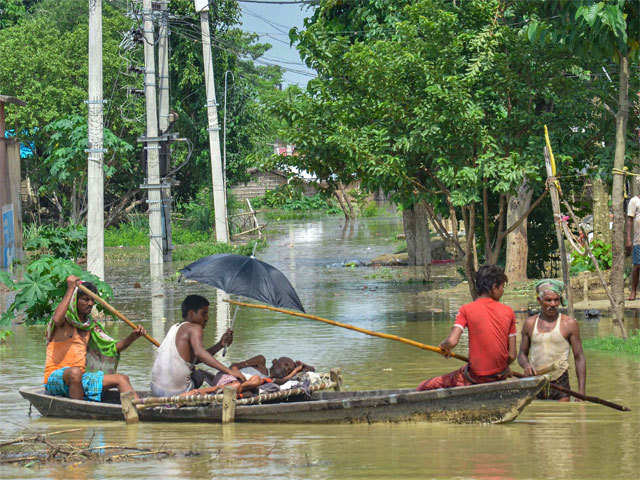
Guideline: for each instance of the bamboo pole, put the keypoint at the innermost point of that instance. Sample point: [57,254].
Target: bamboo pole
[423,346]
[388,336]
[104,303]
[557,219]
[607,290]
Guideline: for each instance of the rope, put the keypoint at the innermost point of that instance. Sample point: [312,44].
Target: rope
[624,171]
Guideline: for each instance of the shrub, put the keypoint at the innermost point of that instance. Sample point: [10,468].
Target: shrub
[583,263]
[4,335]
[44,284]
[202,249]
[291,198]
[370,210]
[615,344]
[63,242]
[133,233]
[198,214]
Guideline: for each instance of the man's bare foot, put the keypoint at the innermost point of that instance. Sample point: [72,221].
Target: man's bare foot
[632,297]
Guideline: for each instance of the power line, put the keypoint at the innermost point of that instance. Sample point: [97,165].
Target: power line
[214,44]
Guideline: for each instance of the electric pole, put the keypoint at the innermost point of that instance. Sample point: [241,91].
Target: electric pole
[95,150]
[152,146]
[217,178]
[163,124]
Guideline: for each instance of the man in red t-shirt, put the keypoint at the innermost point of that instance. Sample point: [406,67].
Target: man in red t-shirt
[492,335]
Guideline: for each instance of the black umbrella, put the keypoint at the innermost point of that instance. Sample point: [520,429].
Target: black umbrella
[245,276]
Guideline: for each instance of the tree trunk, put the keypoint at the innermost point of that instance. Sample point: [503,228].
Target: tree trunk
[423,238]
[601,229]
[470,260]
[409,225]
[517,248]
[415,221]
[343,206]
[347,200]
[74,203]
[617,195]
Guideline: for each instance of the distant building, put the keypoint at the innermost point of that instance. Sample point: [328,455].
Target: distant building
[258,184]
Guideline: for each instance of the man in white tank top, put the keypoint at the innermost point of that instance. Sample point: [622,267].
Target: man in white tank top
[182,348]
[547,338]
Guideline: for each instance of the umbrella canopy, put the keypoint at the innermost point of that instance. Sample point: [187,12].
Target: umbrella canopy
[245,276]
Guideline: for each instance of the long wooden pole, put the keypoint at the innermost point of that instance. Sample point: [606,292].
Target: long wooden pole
[413,343]
[550,165]
[106,305]
[423,346]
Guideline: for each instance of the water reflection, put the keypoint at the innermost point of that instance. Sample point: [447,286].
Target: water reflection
[158,298]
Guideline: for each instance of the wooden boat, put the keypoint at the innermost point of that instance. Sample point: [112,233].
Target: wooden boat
[496,402]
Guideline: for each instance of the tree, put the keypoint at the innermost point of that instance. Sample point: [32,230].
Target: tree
[431,101]
[44,50]
[606,30]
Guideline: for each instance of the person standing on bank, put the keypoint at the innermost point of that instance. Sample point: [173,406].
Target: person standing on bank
[492,335]
[546,339]
[633,247]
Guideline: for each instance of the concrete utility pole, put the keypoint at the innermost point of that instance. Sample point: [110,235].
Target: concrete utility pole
[95,150]
[163,123]
[151,143]
[217,178]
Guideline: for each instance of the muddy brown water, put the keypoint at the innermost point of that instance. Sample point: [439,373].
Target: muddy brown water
[550,440]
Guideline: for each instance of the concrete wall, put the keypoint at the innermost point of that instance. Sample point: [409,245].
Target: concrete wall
[258,185]
[10,204]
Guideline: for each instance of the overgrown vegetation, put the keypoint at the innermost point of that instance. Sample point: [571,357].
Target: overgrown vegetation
[62,242]
[5,335]
[614,344]
[43,284]
[582,263]
[291,198]
[202,249]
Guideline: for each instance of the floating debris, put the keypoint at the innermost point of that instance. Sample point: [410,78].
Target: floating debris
[39,449]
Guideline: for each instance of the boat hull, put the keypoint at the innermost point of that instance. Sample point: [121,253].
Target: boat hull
[496,402]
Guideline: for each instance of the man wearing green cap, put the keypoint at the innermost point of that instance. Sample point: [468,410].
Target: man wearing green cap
[546,339]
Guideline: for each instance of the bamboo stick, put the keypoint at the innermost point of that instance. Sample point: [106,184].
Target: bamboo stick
[104,303]
[388,336]
[557,218]
[425,347]
[31,438]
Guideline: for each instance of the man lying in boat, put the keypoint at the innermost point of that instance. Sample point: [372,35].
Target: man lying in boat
[173,373]
[81,358]
[282,371]
[547,338]
[492,335]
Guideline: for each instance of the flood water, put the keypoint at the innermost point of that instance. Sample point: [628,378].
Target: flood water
[549,440]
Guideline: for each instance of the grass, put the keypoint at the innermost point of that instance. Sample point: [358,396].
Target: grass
[182,253]
[136,234]
[613,344]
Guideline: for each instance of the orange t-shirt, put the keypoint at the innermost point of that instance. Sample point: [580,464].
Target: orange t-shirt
[490,325]
[71,352]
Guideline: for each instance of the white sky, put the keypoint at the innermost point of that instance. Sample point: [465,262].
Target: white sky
[273,22]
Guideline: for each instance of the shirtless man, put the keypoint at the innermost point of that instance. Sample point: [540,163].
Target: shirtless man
[546,339]
[71,335]
[182,348]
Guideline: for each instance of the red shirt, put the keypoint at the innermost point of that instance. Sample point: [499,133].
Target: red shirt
[490,325]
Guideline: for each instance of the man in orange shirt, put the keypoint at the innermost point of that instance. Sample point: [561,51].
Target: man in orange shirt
[73,338]
[492,335]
